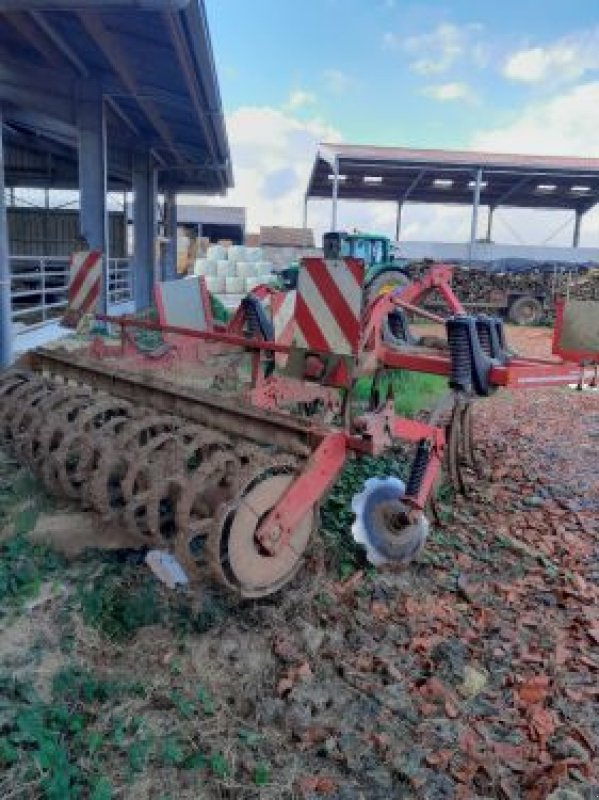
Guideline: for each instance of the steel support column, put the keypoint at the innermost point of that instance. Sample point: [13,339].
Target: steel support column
[577,224]
[91,123]
[335,195]
[398,221]
[170,225]
[490,223]
[5,311]
[475,207]
[144,229]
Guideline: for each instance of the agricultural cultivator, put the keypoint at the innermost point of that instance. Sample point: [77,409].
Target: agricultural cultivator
[217,444]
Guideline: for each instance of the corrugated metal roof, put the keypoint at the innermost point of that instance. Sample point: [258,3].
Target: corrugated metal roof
[471,158]
[150,59]
[403,174]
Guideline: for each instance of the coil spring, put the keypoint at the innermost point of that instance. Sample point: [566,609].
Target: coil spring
[418,469]
[484,337]
[397,325]
[459,350]
[252,322]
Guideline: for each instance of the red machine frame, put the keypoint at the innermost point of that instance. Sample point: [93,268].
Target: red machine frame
[372,432]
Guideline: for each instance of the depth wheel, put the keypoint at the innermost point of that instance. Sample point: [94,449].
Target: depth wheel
[236,558]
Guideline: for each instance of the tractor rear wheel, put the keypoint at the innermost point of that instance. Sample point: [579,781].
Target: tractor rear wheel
[385,282]
[526,310]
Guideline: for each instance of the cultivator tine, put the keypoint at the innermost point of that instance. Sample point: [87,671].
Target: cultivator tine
[462,461]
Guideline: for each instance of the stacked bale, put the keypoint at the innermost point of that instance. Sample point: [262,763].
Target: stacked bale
[234,269]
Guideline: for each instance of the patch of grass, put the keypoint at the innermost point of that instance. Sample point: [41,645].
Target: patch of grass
[118,603]
[84,741]
[413,391]
[23,568]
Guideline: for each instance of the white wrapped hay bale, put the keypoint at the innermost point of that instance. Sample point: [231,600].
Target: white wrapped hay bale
[234,285]
[215,284]
[237,252]
[204,266]
[263,267]
[251,283]
[254,254]
[245,269]
[224,268]
[216,252]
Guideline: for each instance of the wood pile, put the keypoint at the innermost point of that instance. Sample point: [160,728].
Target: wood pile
[490,290]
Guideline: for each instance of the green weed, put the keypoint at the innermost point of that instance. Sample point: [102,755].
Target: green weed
[412,391]
[23,568]
[120,603]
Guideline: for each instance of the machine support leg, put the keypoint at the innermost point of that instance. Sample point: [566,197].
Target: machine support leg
[144,229]
[5,310]
[91,122]
[318,476]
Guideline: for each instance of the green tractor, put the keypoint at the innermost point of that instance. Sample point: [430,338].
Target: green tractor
[383,272]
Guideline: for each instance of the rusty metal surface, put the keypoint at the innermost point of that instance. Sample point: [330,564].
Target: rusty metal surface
[236,557]
[226,414]
[580,330]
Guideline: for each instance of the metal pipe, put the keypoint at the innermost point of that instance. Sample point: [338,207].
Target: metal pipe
[5,310]
[305,215]
[335,195]
[419,312]
[475,207]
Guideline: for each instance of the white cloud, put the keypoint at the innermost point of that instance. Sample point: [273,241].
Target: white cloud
[566,59]
[450,92]
[442,47]
[391,41]
[298,99]
[337,82]
[272,153]
[566,124]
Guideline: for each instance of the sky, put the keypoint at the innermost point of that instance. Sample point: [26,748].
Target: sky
[512,76]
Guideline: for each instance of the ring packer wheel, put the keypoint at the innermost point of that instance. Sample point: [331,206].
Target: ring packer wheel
[236,559]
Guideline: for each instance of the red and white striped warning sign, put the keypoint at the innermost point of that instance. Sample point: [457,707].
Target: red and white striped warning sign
[329,305]
[282,307]
[84,285]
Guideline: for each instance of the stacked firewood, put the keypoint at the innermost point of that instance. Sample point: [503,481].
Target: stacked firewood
[488,289]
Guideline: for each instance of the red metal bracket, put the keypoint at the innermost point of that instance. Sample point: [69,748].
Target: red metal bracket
[320,473]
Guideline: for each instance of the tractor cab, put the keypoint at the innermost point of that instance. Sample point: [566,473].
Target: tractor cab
[383,271]
[374,250]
